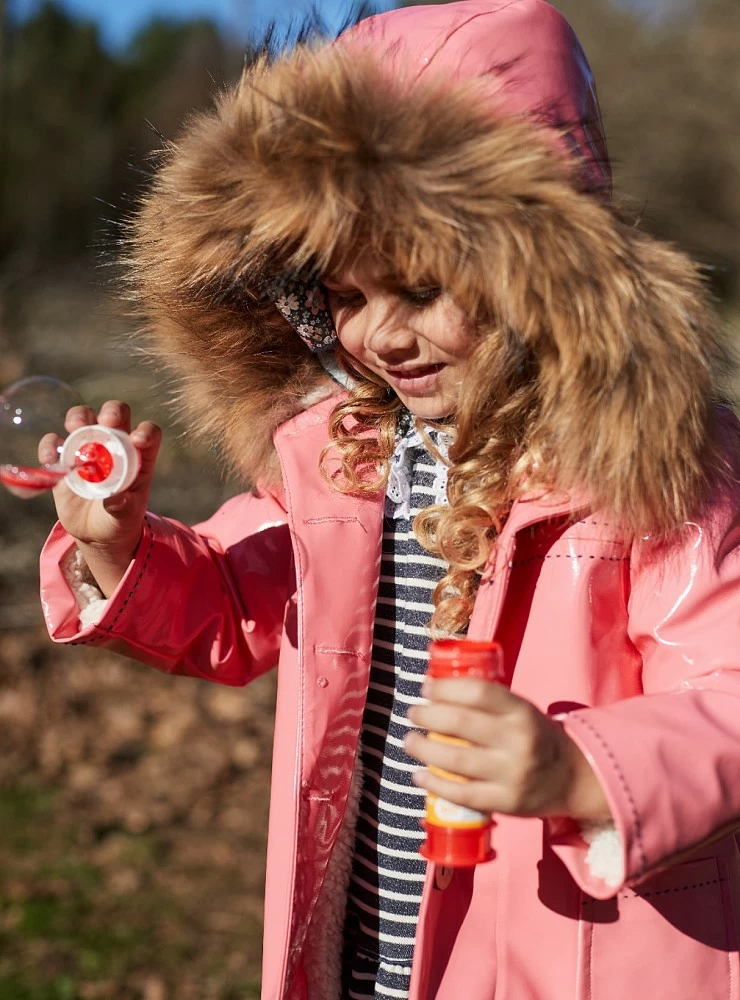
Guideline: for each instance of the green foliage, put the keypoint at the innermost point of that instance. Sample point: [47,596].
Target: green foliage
[60,87]
[65,935]
[23,812]
[76,121]
[20,988]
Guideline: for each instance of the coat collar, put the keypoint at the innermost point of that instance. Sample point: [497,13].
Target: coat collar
[306,434]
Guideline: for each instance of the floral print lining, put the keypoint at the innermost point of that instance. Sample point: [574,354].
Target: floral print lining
[302,301]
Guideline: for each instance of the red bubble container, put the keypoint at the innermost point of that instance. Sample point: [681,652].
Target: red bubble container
[456,836]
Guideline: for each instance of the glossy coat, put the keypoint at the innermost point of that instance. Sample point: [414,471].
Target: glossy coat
[639,648]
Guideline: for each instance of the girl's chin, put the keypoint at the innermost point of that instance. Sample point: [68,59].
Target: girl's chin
[433,407]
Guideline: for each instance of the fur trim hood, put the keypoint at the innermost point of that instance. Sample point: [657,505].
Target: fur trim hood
[463,176]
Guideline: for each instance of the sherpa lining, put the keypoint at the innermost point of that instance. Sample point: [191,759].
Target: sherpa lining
[89,597]
[325,936]
[605,854]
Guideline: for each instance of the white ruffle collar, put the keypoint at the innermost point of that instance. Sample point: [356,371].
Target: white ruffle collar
[401,473]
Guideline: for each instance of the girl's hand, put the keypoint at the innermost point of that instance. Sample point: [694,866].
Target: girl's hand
[521,762]
[107,531]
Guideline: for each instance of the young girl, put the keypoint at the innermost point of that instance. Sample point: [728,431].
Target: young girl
[474,401]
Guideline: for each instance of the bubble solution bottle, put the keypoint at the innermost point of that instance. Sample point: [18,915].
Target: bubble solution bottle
[96,462]
[456,836]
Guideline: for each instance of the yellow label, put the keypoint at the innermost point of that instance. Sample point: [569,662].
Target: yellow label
[444,813]
[440,812]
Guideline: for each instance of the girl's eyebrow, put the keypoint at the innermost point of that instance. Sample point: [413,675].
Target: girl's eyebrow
[382,279]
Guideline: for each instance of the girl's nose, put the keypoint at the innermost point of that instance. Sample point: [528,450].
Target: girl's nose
[386,332]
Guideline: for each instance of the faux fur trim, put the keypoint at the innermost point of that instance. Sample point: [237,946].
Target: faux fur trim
[88,595]
[319,153]
[605,855]
[325,936]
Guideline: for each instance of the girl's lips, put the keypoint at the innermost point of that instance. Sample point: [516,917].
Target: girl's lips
[414,379]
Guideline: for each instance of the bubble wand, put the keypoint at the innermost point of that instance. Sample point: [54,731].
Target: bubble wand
[96,462]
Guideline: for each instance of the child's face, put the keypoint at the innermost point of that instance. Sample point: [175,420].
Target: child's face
[416,339]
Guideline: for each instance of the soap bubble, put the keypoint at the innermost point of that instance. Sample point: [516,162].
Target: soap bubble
[29,409]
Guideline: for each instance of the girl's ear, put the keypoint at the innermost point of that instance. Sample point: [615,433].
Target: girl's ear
[626,342]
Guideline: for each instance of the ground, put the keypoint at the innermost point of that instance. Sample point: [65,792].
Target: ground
[133,808]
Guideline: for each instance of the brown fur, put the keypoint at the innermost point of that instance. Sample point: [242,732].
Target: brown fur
[313,156]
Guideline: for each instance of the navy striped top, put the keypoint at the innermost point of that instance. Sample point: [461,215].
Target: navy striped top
[387,869]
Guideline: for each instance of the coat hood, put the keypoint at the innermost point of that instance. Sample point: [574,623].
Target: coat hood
[462,142]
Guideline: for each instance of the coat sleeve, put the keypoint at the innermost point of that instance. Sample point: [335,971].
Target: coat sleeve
[208,601]
[669,759]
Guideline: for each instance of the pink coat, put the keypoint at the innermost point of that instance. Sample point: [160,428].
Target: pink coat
[637,649]
[639,653]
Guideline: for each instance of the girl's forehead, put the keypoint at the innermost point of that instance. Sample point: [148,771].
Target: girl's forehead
[366,273]
[363,266]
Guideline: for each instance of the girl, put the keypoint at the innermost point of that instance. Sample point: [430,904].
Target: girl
[474,401]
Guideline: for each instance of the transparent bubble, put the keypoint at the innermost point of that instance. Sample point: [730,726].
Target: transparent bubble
[29,410]
[95,461]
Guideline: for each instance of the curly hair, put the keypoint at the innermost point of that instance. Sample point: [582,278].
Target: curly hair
[495,455]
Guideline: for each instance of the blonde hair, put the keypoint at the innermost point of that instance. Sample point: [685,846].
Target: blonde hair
[494,457]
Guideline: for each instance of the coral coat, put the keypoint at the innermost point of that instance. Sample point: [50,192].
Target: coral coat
[637,649]
[641,656]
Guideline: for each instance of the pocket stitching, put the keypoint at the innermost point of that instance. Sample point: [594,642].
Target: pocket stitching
[723,881]
[675,888]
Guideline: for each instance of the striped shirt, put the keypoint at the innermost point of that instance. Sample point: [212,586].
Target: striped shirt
[387,869]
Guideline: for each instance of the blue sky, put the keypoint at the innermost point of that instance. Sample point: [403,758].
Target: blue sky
[119,19]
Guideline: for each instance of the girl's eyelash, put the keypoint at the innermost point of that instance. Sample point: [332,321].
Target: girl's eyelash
[347,298]
[421,296]
[414,296]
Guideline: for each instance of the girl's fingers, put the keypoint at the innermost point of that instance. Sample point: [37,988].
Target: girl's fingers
[480,727]
[468,762]
[49,446]
[120,503]
[147,438]
[486,695]
[79,416]
[483,796]
[115,413]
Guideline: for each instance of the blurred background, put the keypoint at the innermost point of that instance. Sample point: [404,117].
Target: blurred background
[133,807]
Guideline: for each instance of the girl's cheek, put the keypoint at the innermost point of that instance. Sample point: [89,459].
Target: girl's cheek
[351,344]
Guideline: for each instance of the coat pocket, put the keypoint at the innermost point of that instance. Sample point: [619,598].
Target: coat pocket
[674,937]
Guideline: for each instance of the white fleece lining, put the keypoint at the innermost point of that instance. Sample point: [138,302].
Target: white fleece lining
[322,951]
[605,855]
[80,580]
